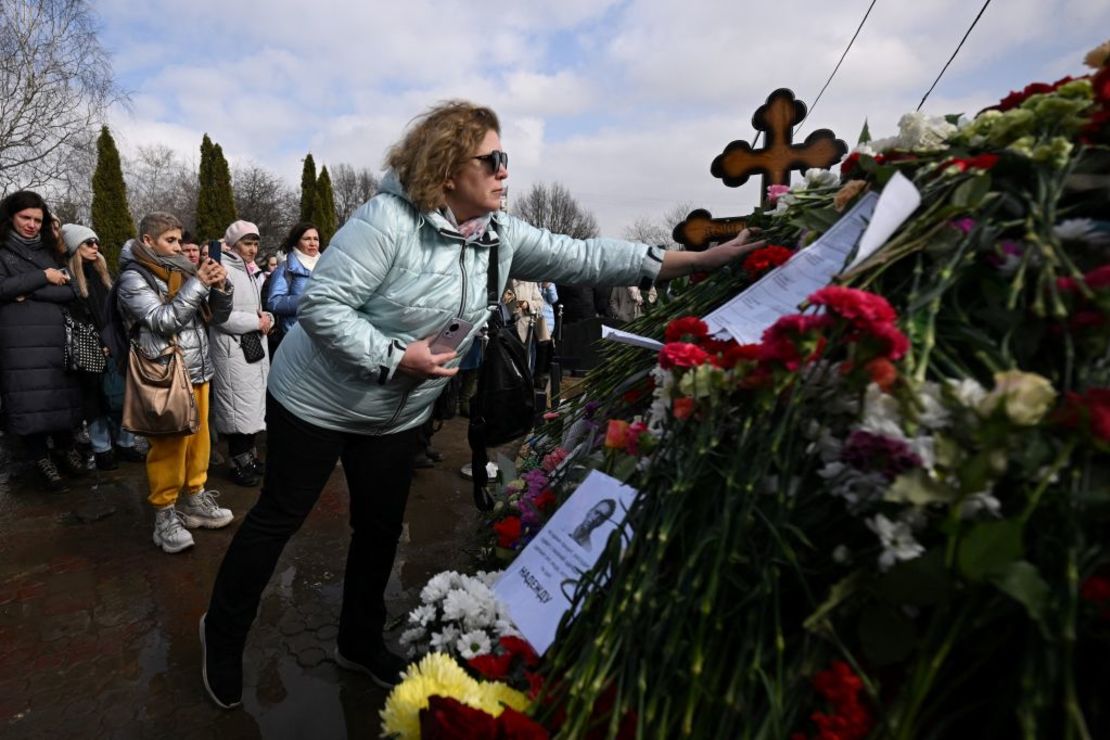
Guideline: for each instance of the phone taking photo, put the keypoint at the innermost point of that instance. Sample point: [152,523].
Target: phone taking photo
[214,252]
[450,336]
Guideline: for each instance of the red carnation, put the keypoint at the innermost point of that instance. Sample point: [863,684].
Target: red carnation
[683,408]
[519,647]
[893,344]
[782,340]
[1095,589]
[1088,412]
[449,719]
[980,162]
[492,666]
[682,354]
[514,725]
[882,373]
[1101,84]
[686,329]
[508,531]
[766,258]
[858,306]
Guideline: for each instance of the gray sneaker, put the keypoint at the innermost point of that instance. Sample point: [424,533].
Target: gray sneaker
[169,532]
[201,510]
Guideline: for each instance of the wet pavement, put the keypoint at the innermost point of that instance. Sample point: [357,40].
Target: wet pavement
[98,627]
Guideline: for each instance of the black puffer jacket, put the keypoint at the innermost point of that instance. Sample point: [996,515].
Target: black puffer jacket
[38,394]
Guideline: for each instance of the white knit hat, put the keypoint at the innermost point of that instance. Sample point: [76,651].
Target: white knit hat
[74,235]
[237,231]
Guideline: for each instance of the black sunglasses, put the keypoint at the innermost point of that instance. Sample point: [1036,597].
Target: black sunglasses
[91,242]
[495,159]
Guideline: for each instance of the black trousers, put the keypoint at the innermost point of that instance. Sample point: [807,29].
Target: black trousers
[300,458]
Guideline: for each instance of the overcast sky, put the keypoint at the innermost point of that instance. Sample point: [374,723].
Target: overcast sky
[625,103]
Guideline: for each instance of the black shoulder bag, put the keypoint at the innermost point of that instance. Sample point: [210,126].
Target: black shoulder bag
[504,406]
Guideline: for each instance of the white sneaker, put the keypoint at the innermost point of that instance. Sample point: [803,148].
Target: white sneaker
[169,534]
[201,510]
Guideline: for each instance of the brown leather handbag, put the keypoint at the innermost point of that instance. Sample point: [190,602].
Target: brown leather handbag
[158,400]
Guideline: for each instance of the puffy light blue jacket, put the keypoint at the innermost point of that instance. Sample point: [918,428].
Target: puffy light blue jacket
[392,275]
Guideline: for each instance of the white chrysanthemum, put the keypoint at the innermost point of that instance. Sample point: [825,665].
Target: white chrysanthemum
[412,636]
[422,615]
[504,627]
[897,540]
[1080,230]
[438,586]
[489,578]
[816,177]
[472,644]
[445,638]
[459,604]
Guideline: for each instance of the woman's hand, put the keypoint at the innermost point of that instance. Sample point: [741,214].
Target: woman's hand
[677,264]
[211,273]
[419,361]
[56,277]
[265,322]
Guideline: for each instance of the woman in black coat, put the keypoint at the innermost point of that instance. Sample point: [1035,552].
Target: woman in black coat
[40,399]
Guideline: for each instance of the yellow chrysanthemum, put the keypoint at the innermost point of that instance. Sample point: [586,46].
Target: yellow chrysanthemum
[495,696]
[436,675]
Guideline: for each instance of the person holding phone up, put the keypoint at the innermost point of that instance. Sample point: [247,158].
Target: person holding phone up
[356,376]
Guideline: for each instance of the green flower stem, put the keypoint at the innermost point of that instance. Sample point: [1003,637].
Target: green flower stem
[1062,459]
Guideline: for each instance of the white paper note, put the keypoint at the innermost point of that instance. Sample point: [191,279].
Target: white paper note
[624,337]
[538,586]
[899,199]
[779,292]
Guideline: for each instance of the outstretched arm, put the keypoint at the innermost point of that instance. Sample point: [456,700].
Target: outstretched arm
[677,264]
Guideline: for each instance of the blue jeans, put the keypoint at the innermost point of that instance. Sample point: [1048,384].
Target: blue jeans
[101,431]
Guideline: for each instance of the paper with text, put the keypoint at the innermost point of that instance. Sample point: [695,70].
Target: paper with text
[537,587]
[625,337]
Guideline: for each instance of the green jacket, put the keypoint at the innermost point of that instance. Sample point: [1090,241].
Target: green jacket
[392,275]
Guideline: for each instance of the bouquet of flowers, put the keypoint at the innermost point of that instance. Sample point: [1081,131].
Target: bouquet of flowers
[459,615]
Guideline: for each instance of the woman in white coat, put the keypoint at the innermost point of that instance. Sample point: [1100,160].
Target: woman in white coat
[239,353]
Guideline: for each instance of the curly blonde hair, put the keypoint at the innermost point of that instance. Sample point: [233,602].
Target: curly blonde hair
[436,146]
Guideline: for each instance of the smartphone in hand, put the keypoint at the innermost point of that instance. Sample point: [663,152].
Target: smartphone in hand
[214,252]
[450,336]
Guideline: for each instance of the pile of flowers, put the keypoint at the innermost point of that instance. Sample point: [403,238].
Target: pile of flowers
[896,499]
[459,615]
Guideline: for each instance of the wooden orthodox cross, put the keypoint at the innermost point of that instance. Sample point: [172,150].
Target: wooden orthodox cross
[776,119]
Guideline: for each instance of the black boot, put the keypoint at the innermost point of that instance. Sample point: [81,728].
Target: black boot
[49,475]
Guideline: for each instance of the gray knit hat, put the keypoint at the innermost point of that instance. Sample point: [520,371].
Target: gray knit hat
[74,235]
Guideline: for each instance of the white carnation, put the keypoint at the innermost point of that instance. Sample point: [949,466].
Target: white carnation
[819,178]
[919,132]
[897,540]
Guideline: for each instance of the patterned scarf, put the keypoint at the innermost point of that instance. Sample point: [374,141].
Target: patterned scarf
[471,229]
[173,271]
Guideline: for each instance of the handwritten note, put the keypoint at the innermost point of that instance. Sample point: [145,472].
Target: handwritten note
[538,586]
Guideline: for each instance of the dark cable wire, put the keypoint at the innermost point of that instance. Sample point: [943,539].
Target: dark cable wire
[755,141]
[859,28]
[957,51]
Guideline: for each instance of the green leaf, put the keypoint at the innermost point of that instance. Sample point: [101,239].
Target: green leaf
[865,133]
[970,193]
[624,468]
[923,581]
[989,548]
[916,487]
[1024,583]
[886,634]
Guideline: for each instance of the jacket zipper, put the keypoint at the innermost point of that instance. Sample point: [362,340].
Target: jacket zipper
[462,271]
[397,412]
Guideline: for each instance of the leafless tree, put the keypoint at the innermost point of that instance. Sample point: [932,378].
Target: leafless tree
[159,180]
[56,84]
[70,194]
[264,199]
[552,207]
[352,188]
[658,229]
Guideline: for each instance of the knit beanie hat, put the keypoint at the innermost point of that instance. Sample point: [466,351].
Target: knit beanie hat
[237,231]
[74,235]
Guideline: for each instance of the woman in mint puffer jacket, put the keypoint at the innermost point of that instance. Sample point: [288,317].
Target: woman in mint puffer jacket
[355,377]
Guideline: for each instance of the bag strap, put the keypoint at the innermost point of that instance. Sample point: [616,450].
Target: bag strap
[150,280]
[476,429]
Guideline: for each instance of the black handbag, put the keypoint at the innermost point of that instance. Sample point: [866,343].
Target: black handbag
[251,342]
[504,406]
[82,350]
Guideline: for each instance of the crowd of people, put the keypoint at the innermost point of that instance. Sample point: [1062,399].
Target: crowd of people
[354,380]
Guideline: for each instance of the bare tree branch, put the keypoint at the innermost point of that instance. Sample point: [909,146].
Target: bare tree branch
[56,84]
[552,207]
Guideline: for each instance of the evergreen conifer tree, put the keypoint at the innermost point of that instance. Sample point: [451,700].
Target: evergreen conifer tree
[308,190]
[215,201]
[224,197]
[325,218]
[111,219]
